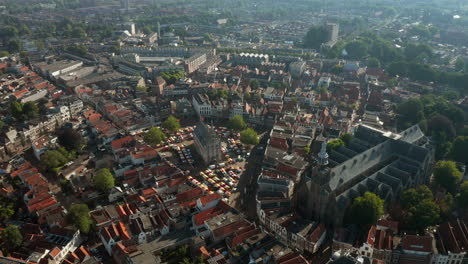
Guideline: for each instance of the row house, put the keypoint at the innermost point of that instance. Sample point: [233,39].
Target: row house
[301,235]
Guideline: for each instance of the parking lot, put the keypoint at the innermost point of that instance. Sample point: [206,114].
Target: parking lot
[221,178]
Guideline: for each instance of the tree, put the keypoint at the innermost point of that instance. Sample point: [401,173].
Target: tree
[54,158]
[79,50]
[140,88]
[334,144]
[346,138]
[14,46]
[249,136]
[425,214]
[237,123]
[16,109]
[463,197]
[459,148]
[78,214]
[410,112]
[356,49]
[315,37]
[440,123]
[78,32]
[71,139]
[4,53]
[367,209]
[254,84]
[11,237]
[154,136]
[420,211]
[373,62]
[412,197]
[30,110]
[337,69]
[460,64]
[104,180]
[8,32]
[171,124]
[447,175]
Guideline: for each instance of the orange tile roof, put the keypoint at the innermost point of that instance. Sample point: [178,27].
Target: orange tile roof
[209,198]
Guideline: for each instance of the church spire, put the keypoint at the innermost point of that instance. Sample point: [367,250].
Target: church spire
[323,155]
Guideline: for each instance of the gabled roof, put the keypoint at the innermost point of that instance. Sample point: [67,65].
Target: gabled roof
[209,198]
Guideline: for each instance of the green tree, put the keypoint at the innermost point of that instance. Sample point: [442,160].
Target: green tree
[71,139]
[16,110]
[460,64]
[79,50]
[410,112]
[140,88]
[346,138]
[237,123]
[337,69]
[415,52]
[334,144]
[441,124]
[366,209]
[104,180]
[154,136]
[78,214]
[463,197]
[420,211]
[447,175]
[357,49]
[249,136]
[53,159]
[412,197]
[78,32]
[254,84]
[373,62]
[459,149]
[425,214]
[8,32]
[171,124]
[4,53]
[31,110]
[315,37]
[14,46]
[11,238]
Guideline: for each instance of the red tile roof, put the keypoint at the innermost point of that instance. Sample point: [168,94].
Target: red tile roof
[200,218]
[189,195]
[209,198]
[417,243]
[121,142]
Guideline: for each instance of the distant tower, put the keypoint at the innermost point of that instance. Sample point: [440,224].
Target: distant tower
[333,30]
[159,30]
[124,4]
[323,155]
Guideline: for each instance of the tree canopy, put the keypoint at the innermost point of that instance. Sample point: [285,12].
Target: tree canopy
[447,175]
[315,37]
[463,197]
[171,124]
[71,139]
[78,214]
[420,211]
[237,123]
[171,77]
[154,136]
[335,143]
[249,136]
[25,111]
[104,180]
[11,238]
[254,84]
[366,209]
[459,149]
[53,159]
